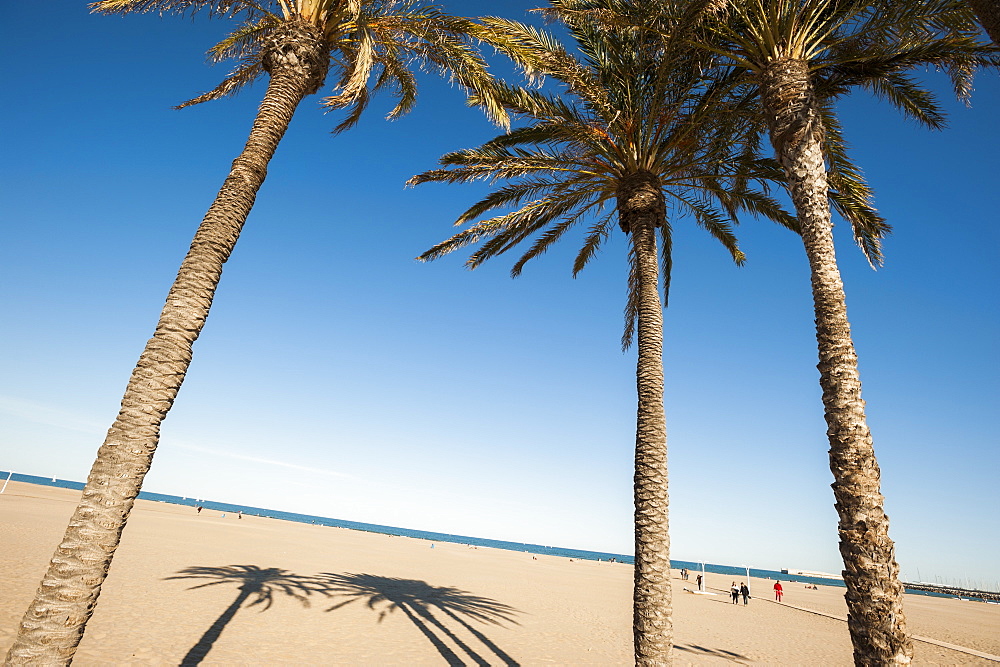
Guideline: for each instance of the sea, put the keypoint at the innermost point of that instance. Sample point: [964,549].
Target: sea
[581,554]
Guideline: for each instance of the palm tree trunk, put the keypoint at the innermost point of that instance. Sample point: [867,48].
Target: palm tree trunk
[54,623]
[988,13]
[874,594]
[641,210]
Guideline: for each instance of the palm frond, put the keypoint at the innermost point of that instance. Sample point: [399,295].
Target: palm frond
[711,220]
[545,241]
[244,42]
[217,8]
[596,236]
[850,194]
[632,299]
[248,71]
[666,259]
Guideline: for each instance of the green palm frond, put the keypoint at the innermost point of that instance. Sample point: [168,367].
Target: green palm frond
[713,221]
[596,236]
[493,163]
[850,194]
[515,194]
[666,259]
[530,219]
[541,55]
[905,94]
[545,241]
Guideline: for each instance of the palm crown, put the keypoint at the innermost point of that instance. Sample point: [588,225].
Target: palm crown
[622,119]
[372,45]
[848,45]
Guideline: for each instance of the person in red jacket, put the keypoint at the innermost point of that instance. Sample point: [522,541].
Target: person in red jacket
[777,591]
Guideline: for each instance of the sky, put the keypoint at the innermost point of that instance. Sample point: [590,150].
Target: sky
[337,376]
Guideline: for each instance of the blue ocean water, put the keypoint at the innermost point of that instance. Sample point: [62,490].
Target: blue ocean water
[443,537]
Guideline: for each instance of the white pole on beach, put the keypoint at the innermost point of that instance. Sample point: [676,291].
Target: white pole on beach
[9,474]
[748,577]
[703,584]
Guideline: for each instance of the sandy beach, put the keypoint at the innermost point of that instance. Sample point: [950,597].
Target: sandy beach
[190,588]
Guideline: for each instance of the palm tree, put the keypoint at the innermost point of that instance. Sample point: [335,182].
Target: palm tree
[797,57]
[624,144]
[372,45]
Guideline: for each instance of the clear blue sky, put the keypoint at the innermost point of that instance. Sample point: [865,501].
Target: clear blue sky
[337,376]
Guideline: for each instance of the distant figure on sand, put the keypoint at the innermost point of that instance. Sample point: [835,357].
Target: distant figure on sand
[777,591]
[700,583]
[745,592]
[199,508]
[684,573]
[239,515]
[734,591]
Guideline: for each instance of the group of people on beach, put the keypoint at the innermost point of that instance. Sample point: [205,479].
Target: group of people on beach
[741,590]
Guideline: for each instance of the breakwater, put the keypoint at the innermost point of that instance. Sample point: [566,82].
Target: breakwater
[964,593]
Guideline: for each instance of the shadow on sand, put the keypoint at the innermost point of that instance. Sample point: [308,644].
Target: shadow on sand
[259,585]
[715,652]
[432,609]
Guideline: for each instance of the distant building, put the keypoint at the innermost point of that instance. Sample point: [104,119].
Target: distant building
[808,573]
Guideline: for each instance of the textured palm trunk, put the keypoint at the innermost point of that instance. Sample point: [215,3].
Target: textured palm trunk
[641,209]
[988,13]
[54,623]
[874,594]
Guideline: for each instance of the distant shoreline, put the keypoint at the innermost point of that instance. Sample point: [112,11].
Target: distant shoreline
[581,554]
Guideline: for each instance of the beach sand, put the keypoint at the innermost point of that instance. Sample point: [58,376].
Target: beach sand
[253,591]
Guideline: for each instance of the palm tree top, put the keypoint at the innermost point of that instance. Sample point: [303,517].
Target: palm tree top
[845,44]
[372,45]
[622,120]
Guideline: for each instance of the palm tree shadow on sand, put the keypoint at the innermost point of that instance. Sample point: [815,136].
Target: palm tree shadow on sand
[428,607]
[260,584]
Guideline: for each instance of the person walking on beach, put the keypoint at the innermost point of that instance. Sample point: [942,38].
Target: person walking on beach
[778,591]
[199,509]
[745,592]
[734,591]
[700,583]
